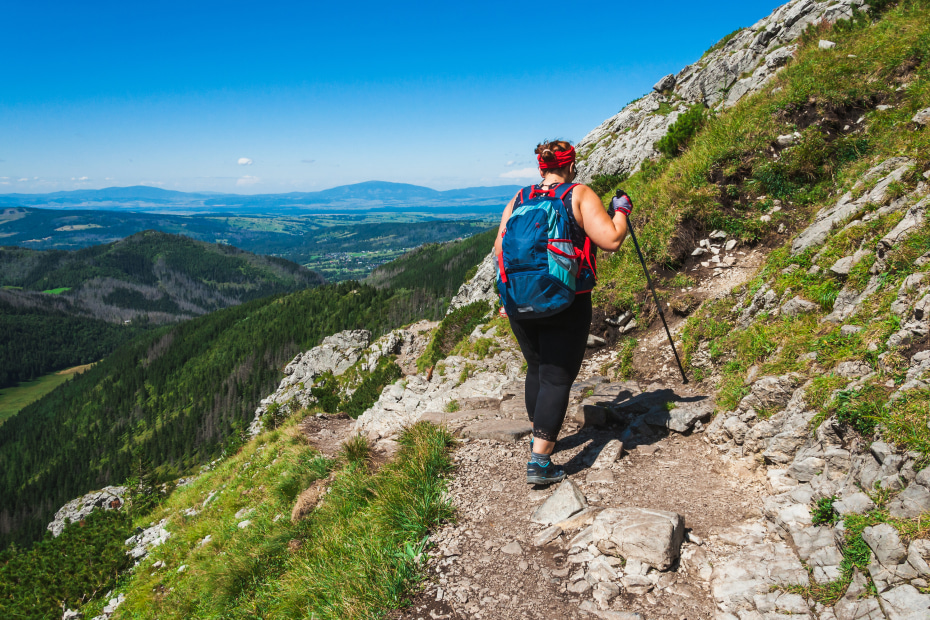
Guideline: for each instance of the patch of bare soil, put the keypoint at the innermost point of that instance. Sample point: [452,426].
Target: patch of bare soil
[326,432]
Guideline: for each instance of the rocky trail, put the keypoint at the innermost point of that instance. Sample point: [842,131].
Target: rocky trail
[499,561]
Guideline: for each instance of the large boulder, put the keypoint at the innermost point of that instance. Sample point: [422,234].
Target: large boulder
[650,536]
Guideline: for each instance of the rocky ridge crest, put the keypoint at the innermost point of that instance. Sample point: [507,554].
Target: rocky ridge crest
[719,80]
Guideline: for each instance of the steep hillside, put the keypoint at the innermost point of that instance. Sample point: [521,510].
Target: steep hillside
[739,65]
[439,268]
[170,400]
[155,275]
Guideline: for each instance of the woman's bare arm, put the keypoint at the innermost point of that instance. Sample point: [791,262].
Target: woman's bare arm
[606,233]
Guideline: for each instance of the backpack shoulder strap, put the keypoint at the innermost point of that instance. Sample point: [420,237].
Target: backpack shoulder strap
[565,188]
[522,195]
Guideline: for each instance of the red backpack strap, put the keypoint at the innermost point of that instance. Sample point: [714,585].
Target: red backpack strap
[589,257]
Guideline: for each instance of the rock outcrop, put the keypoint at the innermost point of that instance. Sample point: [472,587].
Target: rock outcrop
[107,498]
[336,354]
[621,143]
[482,286]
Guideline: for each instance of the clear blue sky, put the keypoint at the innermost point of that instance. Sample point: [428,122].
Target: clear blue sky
[183,95]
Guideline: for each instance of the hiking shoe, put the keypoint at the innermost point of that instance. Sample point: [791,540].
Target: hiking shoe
[537,474]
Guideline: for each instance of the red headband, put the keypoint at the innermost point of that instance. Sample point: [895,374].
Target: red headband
[562,159]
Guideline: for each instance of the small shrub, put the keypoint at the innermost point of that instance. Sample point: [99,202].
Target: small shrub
[326,393]
[452,406]
[355,450]
[861,409]
[604,184]
[456,325]
[681,131]
[823,511]
[625,358]
[275,414]
[369,390]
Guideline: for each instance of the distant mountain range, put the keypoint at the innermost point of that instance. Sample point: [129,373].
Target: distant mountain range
[370,195]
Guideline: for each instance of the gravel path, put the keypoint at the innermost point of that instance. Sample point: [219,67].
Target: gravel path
[476,570]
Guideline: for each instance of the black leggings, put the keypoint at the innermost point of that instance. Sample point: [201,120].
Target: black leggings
[554,348]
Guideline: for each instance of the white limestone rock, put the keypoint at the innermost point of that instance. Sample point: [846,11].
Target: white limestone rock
[149,538]
[566,501]
[651,536]
[482,287]
[107,498]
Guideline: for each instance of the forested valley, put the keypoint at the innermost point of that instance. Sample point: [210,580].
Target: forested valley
[437,268]
[60,309]
[172,398]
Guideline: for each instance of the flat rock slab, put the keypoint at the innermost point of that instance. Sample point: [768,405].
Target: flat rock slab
[752,572]
[479,402]
[514,409]
[885,543]
[905,603]
[591,412]
[440,418]
[506,431]
[566,501]
[650,536]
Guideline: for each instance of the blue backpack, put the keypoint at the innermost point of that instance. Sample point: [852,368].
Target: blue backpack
[539,269]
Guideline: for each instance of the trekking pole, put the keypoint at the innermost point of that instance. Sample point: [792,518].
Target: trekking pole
[629,226]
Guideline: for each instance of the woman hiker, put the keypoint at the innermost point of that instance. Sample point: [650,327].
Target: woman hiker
[554,345]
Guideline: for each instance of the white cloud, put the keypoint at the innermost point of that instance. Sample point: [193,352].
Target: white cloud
[522,173]
[307,161]
[108,178]
[4,182]
[247,180]
[511,162]
[23,179]
[245,161]
[152,183]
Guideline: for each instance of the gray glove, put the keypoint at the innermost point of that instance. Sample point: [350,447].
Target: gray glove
[621,202]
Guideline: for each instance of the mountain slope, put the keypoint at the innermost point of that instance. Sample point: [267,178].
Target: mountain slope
[151,274]
[170,399]
[439,268]
[740,65]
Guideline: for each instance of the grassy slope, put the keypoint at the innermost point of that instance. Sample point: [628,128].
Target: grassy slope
[439,268]
[358,550]
[677,198]
[717,183]
[13,399]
